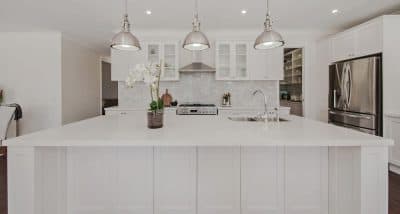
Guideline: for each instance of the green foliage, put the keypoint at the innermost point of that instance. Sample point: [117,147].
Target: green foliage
[156,105]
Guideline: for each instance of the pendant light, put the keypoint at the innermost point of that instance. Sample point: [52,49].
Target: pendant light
[125,40]
[268,38]
[196,40]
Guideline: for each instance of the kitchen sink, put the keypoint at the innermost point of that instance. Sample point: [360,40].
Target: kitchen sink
[252,119]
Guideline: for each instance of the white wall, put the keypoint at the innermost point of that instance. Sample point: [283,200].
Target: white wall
[54,80]
[80,82]
[391,68]
[318,82]
[30,74]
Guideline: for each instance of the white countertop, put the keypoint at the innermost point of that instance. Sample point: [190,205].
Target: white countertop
[195,130]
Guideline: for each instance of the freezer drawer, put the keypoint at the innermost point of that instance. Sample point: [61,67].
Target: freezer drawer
[354,119]
[368,131]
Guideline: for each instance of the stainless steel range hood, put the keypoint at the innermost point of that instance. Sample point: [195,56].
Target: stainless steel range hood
[196,65]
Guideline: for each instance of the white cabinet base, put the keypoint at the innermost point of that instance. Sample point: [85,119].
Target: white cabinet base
[209,180]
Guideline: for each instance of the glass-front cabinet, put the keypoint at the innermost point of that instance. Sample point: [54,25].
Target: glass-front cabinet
[231,60]
[168,52]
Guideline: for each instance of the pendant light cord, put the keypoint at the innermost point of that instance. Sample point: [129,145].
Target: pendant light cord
[126,6]
[267,23]
[196,8]
[196,22]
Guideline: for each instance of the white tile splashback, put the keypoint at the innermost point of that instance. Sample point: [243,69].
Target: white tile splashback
[201,87]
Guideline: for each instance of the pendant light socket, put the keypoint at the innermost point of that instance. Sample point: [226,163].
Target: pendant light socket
[125,40]
[196,40]
[269,38]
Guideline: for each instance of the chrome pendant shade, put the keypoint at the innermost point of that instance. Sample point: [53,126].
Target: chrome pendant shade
[125,40]
[196,40]
[269,38]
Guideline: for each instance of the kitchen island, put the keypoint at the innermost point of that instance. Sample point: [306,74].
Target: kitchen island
[197,165]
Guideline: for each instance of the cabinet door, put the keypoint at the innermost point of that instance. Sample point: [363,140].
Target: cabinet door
[262,180]
[393,132]
[110,180]
[275,70]
[153,52]
[171,62]
[240,53]
[223,61]
[369,38]
[218,180]
[122,62]
[87,176]
[306,180]
[175,180]
[259,61]
[134,180]
[266,64]
[343,46]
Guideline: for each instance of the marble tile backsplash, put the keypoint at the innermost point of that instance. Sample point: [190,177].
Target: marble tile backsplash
[203,88]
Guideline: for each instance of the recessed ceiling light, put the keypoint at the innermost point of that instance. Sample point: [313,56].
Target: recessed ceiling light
[243,12]
[335,11]
[148,12]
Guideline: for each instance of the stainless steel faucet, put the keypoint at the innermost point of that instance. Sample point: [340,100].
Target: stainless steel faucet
[265,100]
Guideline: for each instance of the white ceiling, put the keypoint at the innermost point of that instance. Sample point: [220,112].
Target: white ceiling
[94,21]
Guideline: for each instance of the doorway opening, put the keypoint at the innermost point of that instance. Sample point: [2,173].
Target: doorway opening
[291,87]
[109,88]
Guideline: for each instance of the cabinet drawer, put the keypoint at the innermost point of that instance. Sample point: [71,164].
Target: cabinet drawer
[114,112]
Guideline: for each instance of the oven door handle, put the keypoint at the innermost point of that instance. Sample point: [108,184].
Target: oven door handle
[358,116]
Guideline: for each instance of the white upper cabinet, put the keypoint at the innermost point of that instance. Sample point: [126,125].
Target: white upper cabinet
[171,61]
[275,70]
[266,64]
[343,46]
[237,60]
[369,38]
[232,60]
[362,40]
[124,61]
[153,52]
[167,51]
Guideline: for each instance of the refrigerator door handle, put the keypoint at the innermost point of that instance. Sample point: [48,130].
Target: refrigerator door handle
[346,84]
[350,85]
[359,116]
[334,98]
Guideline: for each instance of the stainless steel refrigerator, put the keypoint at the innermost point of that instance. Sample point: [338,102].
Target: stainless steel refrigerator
[355,94]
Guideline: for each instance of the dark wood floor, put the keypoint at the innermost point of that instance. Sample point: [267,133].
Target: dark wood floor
[3,181]
[394,193]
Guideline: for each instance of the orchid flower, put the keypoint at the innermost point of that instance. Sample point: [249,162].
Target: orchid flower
[149,74]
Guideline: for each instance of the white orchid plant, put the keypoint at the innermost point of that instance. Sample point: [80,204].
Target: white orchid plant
[150,75]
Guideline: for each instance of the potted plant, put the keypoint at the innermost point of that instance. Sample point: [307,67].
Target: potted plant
[150,74]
